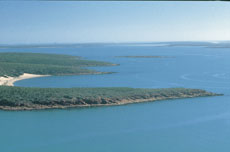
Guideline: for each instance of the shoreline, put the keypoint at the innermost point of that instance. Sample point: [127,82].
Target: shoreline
[9,81]
[118,103]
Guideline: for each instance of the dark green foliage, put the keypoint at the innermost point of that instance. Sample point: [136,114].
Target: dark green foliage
[15,64]
[48,59]
[16,69]
[20,96]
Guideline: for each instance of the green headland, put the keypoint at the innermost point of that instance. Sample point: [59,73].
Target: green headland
[24,98]
[15,64]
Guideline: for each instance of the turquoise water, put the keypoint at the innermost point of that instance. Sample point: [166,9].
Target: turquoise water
[198,124]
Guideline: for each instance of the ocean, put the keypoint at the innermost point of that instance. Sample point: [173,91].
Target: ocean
[191,125]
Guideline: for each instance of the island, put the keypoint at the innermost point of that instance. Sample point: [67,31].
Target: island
[144,56]
[18,66]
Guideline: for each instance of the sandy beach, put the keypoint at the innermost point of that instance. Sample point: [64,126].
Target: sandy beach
[9,81]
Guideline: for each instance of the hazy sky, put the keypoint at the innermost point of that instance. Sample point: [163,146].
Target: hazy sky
[69,22]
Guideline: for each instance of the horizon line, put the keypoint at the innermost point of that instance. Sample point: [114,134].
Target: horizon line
[128,42]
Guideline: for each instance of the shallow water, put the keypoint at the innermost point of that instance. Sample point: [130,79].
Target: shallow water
[198,124]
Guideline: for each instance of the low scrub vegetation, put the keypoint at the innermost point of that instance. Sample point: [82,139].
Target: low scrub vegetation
[29,97]
[15,64]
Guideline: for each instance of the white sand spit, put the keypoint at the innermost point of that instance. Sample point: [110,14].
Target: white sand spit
[9,81]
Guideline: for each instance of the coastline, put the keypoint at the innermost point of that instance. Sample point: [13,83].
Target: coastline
[9,81]
[117,103]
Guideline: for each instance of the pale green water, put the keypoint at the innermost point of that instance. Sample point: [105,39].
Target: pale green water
[191,125]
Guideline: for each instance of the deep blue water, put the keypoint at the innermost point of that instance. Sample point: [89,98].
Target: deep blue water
[191,125]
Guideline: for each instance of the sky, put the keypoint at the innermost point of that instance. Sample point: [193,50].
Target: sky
[84,22]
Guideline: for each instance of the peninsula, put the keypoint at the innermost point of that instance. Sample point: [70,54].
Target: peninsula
[23,98]
[18,66]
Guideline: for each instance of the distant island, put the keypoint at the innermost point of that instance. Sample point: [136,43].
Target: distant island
[214,44]
[144,56]
[18,66]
